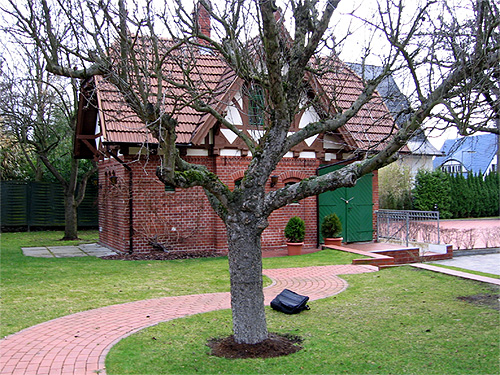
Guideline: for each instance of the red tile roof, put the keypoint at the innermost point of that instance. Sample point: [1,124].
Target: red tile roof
[121,125]
[219,84]
[373,124]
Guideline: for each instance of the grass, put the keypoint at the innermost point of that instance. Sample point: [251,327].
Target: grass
[400,320]
[35,290]
[468,271]
[396,321]
[321,258]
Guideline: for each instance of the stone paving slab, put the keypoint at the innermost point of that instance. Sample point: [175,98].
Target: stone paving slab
[78,343]
[67,251]
[489,263]
[39,252]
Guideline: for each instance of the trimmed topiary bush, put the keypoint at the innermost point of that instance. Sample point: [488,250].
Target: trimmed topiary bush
[331,227]
[295,230]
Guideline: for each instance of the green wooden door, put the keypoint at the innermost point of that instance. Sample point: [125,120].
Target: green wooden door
[354,207]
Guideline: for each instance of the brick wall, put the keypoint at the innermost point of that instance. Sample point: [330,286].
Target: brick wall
[113,205]
[230,169]
[183,219]
[180,219]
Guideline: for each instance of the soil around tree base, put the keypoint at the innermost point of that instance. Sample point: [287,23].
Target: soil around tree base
[275,346]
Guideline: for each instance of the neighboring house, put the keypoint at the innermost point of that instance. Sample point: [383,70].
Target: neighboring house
[471,154]
[138,213]
[421,151]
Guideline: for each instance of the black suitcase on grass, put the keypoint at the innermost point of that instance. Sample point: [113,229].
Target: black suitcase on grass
[290,302]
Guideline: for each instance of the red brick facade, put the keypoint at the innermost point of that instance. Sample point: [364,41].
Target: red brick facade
[183,219]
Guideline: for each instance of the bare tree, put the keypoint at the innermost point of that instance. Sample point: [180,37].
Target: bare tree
[447,58]
[39,113]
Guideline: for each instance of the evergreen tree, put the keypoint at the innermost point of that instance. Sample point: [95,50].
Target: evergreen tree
[432,192]
[492,189]
[459,192]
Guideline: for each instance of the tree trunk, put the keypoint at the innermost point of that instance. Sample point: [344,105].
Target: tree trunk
[247,296]
[70,216]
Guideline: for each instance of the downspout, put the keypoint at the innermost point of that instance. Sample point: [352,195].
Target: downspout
[130,201]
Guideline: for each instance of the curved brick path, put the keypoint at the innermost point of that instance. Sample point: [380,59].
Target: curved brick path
[78,343]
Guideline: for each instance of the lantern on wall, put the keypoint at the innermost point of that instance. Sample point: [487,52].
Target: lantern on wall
[113,179]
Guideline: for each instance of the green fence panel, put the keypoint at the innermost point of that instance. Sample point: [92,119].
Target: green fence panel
[41,204]
[14,200]
[46,205]
[87,211]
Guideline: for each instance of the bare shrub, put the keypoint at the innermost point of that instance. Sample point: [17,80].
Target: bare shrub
[469,238]
[447,236]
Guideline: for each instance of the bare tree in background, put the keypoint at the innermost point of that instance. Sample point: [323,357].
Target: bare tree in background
[38,112]
[452,62]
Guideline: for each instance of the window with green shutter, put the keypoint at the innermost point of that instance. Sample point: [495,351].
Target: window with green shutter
[256,106]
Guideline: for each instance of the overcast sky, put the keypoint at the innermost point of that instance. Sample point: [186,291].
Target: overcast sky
[355,44]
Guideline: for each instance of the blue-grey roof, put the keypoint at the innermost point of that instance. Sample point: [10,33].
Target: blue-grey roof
[475,153]
[398,104]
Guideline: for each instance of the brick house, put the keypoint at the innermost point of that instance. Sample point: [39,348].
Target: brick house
[138,213]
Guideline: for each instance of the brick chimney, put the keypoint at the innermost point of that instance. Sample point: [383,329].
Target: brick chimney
[202,21]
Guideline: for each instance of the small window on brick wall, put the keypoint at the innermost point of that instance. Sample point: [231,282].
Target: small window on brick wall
[169,188]
[256,106]
[237,183]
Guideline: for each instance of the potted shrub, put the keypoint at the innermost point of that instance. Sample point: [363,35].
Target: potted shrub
[331,228]
[295,231]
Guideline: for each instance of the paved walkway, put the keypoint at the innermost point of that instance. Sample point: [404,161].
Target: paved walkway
[489,263]
[79,343]
[463,275]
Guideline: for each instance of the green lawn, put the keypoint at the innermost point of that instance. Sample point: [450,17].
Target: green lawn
[396,321]
[35,290]
[399,320]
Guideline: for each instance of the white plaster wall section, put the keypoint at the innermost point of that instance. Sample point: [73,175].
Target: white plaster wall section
[233,113]
[230,152]
[234,117]
[330,142]
[229,135]
[310,115]
[197,152]
[329,156]
[307,155]
[256,134]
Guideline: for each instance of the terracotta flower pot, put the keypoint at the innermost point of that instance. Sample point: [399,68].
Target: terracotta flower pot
[294,248]
[337,241]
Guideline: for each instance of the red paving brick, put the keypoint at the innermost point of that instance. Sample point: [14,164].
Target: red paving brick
[78,343]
